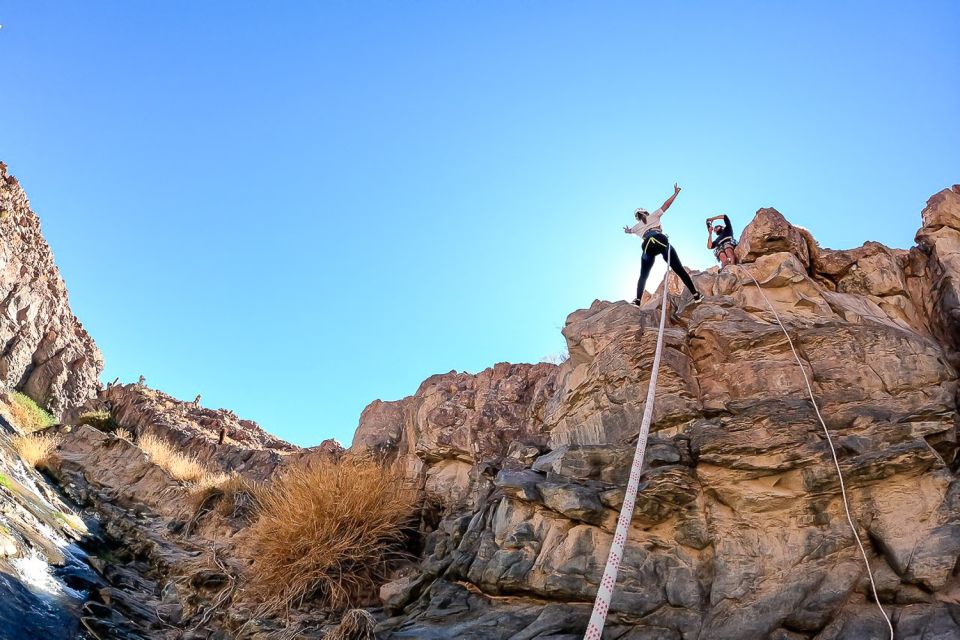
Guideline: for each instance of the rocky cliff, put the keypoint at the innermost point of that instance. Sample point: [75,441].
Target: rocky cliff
[46,353]
[739,531]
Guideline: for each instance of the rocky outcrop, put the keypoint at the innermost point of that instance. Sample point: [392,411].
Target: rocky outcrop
[937,260]
[739,531]
[196,430]
[46,352]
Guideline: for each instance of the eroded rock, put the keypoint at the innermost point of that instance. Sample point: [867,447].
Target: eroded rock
[48,354]
[739,531]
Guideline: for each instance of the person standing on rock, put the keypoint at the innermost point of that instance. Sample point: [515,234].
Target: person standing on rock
[655,243]
[724,244]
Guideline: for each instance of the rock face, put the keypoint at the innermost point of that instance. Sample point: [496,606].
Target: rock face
[739,530]
[246,447]
[47,354]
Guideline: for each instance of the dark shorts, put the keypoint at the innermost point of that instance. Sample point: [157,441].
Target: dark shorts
[723,244]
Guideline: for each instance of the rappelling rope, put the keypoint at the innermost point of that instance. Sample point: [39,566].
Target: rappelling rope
[833,451]
[605,592]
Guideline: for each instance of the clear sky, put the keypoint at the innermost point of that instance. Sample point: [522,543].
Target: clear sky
[297,208]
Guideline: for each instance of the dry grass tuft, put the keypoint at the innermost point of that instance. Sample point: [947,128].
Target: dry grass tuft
[230,494]
[35,448]
[179,465]
[27,414]
[124,434]
[328,531]
[356,624]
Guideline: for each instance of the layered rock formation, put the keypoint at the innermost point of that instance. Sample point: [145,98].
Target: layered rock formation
[46,353]
[739,531]
[195,430]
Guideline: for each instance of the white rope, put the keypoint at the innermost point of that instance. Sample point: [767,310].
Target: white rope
[833,451]
[605,592]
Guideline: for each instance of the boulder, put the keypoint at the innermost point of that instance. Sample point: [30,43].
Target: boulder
[769,232]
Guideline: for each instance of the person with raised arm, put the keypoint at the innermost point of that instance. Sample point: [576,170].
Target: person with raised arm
[656,243]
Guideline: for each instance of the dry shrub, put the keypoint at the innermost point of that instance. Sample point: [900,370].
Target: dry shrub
[35,448]
[356,624]
[27,414]
[123,434]
[100,420]
[180,466]
[229,493]
[328,531]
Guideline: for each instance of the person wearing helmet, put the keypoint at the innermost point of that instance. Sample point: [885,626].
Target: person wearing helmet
[724,244]
[655,244]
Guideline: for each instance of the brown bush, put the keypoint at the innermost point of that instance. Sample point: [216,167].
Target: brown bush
[328,531]
[35,448]
[356,624]
[231,495]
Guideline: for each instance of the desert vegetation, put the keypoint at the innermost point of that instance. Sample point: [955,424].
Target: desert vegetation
[101,420]
[35,448]
[328,531]
[229,494]
[180,466]
[25,413]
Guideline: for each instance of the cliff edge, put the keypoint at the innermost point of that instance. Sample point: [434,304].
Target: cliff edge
[46,354]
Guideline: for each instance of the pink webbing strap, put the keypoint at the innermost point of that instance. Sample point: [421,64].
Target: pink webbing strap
[609,580]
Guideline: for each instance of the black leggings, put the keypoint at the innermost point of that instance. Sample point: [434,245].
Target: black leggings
[655,244]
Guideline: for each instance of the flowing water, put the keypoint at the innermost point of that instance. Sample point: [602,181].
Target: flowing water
[45,578]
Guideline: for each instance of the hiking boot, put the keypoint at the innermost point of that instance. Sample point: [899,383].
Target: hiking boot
[636,301]
[697,297]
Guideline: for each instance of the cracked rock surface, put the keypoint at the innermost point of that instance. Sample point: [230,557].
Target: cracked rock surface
[46,353]
[739,530]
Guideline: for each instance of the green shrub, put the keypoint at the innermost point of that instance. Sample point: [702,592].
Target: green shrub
[27,414]
[100,420]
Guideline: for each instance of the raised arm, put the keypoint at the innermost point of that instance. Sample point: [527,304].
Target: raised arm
[709,235]
[714,218]
[669,201]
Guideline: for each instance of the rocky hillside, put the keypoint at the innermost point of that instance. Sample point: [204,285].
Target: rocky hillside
[194,429]
[739,531]
[46,353]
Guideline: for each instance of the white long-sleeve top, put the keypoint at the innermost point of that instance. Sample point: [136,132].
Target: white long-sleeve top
[653,222]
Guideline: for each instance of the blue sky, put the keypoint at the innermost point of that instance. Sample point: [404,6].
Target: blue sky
[297,209]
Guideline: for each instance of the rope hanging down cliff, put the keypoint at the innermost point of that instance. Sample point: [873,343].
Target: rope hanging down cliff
[605,592]
[833,451]
[609,580]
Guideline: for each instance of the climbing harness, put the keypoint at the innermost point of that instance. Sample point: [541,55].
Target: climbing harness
[601,605]
[605,592]
[833,451]
[648,240]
